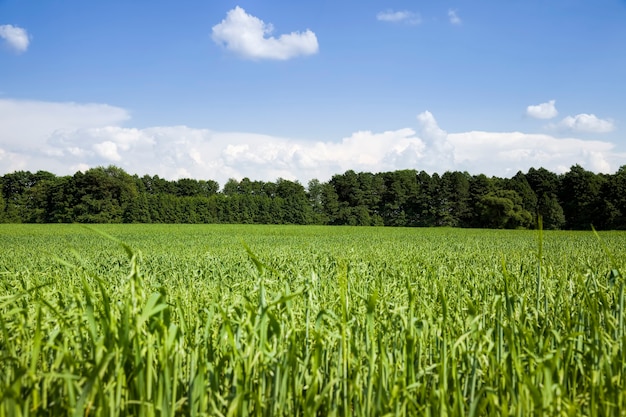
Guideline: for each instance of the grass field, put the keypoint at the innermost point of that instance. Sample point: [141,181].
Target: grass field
[280,320]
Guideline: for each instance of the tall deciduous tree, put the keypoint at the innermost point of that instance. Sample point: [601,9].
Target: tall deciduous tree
[297,209]
[613,195]
[546,185]
[519,183]
[103,195]
[315,191]
[580,198]
[231,187]
[503,209]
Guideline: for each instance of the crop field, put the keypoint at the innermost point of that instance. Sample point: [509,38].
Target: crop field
[226,320]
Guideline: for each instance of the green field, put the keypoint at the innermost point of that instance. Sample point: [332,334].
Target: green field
[288,320]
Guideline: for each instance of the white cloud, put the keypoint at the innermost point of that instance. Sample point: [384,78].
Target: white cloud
[70,137]
[542,111]
[439,155]
[33,133]
[406,16]
[80,167]
[505,153]
[454,17]
[15,37]
[597,162]
[36,119]
[248,36]
[430,128]
[587,123]
[107,150]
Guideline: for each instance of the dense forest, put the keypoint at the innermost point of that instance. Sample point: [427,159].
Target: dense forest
[574,200]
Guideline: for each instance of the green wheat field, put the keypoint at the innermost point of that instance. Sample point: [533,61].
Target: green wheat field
[227,320]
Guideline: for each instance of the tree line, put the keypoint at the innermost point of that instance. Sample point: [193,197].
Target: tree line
[576,199]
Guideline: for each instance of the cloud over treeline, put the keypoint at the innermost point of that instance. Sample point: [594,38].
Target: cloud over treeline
[65,137]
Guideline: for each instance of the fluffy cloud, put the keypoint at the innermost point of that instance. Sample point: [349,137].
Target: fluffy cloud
[543,110]
[248,36]
[583,123]
[509,152]
[15,37]
[66,137]
[33,133]
[399,16]
[587,123]
[454,17]
[36,119]
[107,150]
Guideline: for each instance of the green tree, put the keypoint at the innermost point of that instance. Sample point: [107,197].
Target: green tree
[480,186]
[296,209]
[103,195]
[372,188]
[399,202]
[551,212]
[543,181]
[61,200]
[546,185]
[231,187]
[156,185]
[2,205]
[330,202]
[454,207]
[138,210]
[581,198]
[502,209]
[613,195]
[187,187]
[38,197]
[206,209]
[423,201]
[315,190]
[347,187]
[14,188]
[359,196]
[519,183]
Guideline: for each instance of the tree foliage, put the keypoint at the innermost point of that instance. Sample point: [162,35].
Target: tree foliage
[574,200]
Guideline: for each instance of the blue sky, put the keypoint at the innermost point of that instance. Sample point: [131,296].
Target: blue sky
[301,90]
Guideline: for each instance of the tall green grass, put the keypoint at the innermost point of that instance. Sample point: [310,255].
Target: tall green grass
[310,321]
